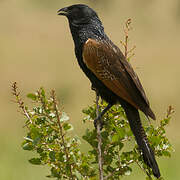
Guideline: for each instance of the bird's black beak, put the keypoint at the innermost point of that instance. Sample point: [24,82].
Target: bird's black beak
[63,11]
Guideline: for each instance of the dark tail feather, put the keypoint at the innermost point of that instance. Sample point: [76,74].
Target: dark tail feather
[139,133]
[150,113]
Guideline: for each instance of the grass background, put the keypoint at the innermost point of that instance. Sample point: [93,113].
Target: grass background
[36,49]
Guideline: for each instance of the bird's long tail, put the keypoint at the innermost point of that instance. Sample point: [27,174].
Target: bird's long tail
[141,138]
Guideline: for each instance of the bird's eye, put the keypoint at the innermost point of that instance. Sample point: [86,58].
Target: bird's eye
[75,12]
[79,16]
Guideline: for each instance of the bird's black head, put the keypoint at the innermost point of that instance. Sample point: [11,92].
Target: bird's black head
[79,14]
[84,23]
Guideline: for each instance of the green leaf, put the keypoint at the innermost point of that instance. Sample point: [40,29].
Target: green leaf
[42,91]
[28,146]
[35,161]
[156,140]
[121,132]
[61,157]
[78,175]
[35,131]
[115,138]
[166,153]
[54,172]
[52,155]
[40,121]
[43,155]
[37,140]
[67,126]
[32,96]
[40,150]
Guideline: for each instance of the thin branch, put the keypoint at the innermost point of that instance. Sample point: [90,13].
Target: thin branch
[61,129]
[126,31]
[126,44]
[99,138]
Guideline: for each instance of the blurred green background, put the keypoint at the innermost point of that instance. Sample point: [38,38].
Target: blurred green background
[36,49]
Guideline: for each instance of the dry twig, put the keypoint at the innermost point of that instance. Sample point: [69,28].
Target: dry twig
[19,101]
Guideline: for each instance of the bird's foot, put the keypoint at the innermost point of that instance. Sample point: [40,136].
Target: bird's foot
[98,120]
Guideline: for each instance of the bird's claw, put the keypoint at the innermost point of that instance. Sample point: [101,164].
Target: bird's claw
[98,120]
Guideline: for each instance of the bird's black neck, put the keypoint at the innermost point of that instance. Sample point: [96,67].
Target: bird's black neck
[81,33]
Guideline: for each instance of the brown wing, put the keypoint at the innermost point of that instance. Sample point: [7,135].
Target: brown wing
[107,62]
[134,76]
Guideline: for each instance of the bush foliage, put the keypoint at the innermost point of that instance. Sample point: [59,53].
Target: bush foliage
[49,135]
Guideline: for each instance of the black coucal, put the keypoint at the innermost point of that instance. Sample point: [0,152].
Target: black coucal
[110,73]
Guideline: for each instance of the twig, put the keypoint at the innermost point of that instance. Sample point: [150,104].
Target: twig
[127,28]
[19,101]
[170,111]
[126,44]
[61,129]
[99,138]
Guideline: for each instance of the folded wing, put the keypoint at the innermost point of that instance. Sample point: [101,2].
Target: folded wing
[108,63]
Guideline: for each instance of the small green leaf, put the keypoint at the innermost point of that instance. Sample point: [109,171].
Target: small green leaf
[35,131]
[78,175]
[50,139]
[67,126]
[52,155]
[166,153]
[121,133]
[61,157]
[42,91]
[40,120]
[28,146]
[32,96]
[37,140]
[156,140]
[115,138]
[40,150]
[35,161]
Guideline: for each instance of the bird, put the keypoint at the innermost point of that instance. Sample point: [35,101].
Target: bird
[110,73]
